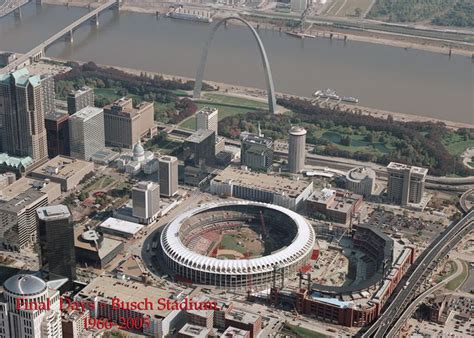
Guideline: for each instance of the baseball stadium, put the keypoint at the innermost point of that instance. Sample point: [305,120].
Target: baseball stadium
[237,245]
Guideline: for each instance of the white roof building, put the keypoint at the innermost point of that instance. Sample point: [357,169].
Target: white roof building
[120,227]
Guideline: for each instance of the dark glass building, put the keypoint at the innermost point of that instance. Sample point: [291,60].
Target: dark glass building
[56,239]
[200,147]
[57,133]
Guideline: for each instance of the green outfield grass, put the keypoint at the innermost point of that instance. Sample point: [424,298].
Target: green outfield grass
[302,332]
[230,242]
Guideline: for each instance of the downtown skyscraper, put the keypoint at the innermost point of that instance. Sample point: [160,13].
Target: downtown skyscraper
[22,110]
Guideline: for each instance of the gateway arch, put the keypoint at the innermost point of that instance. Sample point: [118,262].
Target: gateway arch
[266,65]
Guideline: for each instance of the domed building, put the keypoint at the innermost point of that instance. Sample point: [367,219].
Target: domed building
[29,308]
[138,152]
[138,160]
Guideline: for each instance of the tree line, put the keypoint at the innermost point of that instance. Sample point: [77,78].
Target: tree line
[415,143]
[147,87]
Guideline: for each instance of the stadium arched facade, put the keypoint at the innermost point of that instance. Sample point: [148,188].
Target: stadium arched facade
[295,237]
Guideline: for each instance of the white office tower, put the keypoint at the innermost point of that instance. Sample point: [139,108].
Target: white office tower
[168,175]
[207,118]
[146,201]
[296,149]
[86,132]
[29,309]
[406,184]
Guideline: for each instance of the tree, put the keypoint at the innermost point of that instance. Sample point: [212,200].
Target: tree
[83,196]
[357,12]
[122,92]
[346,141]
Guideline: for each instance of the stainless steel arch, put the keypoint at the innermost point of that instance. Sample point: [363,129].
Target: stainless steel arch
[266,65]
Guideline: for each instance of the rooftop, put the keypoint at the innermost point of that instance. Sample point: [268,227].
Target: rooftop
[79,92]
[62,167]
[107,244]
[108,287]
[53,212]
[124,107]
[262,181]
[297,131]
[105,155]
[25,284]
[22,201]
[15,162]
[199,135]
[207,111]
[145,185]
[359,173]
[330,300]
[195,331]
[256,139]
[167,159]
[235,332]
[56,116]
[87,113]
[242,316]
[122,226]
[402,166]
[340,200]
[24,184]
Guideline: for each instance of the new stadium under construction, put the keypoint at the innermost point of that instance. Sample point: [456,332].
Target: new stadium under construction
[237,245]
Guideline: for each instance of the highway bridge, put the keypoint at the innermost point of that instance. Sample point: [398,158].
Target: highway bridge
[9,6]
[467,200]
[36,53]
[400,322]
[388,324]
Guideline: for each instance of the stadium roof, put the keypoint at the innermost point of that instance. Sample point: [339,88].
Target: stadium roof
[301,245]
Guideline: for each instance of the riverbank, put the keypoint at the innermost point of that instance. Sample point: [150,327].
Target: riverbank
[368,36]
[257,94]
[261,95]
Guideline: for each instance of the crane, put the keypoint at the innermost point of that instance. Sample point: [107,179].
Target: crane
[262,222]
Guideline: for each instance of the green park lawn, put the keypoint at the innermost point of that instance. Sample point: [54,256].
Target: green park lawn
[358,142]
[112,94]
[234,100]
[456,144]
[224,111]
[227,106]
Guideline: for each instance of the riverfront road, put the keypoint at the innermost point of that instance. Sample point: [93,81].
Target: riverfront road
[400,322]
[37,52]
[387,324]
